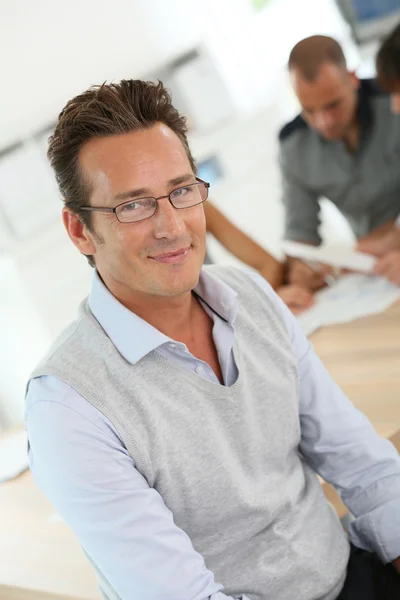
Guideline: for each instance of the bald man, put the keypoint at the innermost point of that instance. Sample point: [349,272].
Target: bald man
[344,146]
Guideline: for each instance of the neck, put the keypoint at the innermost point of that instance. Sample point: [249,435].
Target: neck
[351,138]
[173,316]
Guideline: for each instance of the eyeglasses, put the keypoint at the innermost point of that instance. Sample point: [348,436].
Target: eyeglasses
[143,208]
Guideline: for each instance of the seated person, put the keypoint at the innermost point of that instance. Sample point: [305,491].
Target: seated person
[387,246]
[345,146]
[248,251]
[178,425]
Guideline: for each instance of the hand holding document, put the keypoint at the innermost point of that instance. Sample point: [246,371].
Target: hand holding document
[341,256]
[353,296]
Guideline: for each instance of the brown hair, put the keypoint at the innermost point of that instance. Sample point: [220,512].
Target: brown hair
[310,54]
[104,110]
[388,62]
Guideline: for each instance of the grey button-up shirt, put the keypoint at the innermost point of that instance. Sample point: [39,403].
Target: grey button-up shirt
[364,186]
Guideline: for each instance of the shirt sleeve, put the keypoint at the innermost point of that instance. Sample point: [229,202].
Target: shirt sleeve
[81,465]
[302,210]
[340,444]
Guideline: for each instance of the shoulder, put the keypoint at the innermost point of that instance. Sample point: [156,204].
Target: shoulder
[370,89]
[81,337]
[249,286]
[52,403]
[296,125]
[299,148]
[233,276]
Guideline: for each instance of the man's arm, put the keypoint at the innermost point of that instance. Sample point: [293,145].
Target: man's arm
[242,246]
[388,266]
[301,203]
[302,221]
[81,465]
[381,240]
[341,445]
[384,243]
[248,251]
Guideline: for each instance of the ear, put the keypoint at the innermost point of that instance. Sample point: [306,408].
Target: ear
[78,232]
[355,82]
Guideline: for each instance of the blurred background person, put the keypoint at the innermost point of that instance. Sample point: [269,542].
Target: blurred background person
[337,148]
[387,247]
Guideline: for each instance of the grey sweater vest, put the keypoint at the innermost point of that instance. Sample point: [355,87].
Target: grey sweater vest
[225,459]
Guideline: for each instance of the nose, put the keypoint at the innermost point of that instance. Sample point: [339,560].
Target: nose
[167,221]
[395,102]
[324,121]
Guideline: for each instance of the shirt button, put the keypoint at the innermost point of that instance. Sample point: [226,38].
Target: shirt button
[172,345]
[199,370]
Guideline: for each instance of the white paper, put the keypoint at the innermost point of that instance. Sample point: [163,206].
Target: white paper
[13,456]
[350,298]
[335,256]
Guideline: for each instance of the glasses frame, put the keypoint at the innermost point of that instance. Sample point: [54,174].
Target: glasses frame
[107,209]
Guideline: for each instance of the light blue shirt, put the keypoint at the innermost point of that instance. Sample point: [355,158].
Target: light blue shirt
[79,461]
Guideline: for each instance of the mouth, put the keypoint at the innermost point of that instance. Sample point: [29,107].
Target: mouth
[177,256]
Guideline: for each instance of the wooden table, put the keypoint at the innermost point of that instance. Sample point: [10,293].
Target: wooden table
[364,359]
[43,560]
[39,555]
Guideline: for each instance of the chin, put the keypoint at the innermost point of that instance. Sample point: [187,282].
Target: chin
[333,135]
[179,283]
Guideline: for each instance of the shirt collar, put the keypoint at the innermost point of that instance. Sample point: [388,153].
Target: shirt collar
[364,108]
[133,337]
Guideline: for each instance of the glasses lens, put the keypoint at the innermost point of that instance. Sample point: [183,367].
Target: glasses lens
[189,195]
[136,210]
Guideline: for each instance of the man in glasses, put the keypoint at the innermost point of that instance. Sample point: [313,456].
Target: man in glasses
[177,426]
[387,246]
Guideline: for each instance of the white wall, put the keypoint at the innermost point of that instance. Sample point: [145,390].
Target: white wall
[52,50]
[23,342]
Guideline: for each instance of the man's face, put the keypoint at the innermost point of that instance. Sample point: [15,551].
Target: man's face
[329,102]
[159,256]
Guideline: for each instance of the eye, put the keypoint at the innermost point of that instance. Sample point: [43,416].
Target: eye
[334,105]
[185,194]
[133,206]
[182,191]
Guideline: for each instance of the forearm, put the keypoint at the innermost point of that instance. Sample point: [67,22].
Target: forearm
[249,252]
[243,246]
[342,446]
[379,232]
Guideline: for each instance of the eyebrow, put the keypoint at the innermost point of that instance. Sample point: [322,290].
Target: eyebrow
[328,105]
[145,192]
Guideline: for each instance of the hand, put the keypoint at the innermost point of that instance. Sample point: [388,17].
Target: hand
[378,246]
[301,274]
[389,266]
[295,297]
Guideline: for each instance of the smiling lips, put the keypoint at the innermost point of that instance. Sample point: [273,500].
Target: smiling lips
[172,257]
